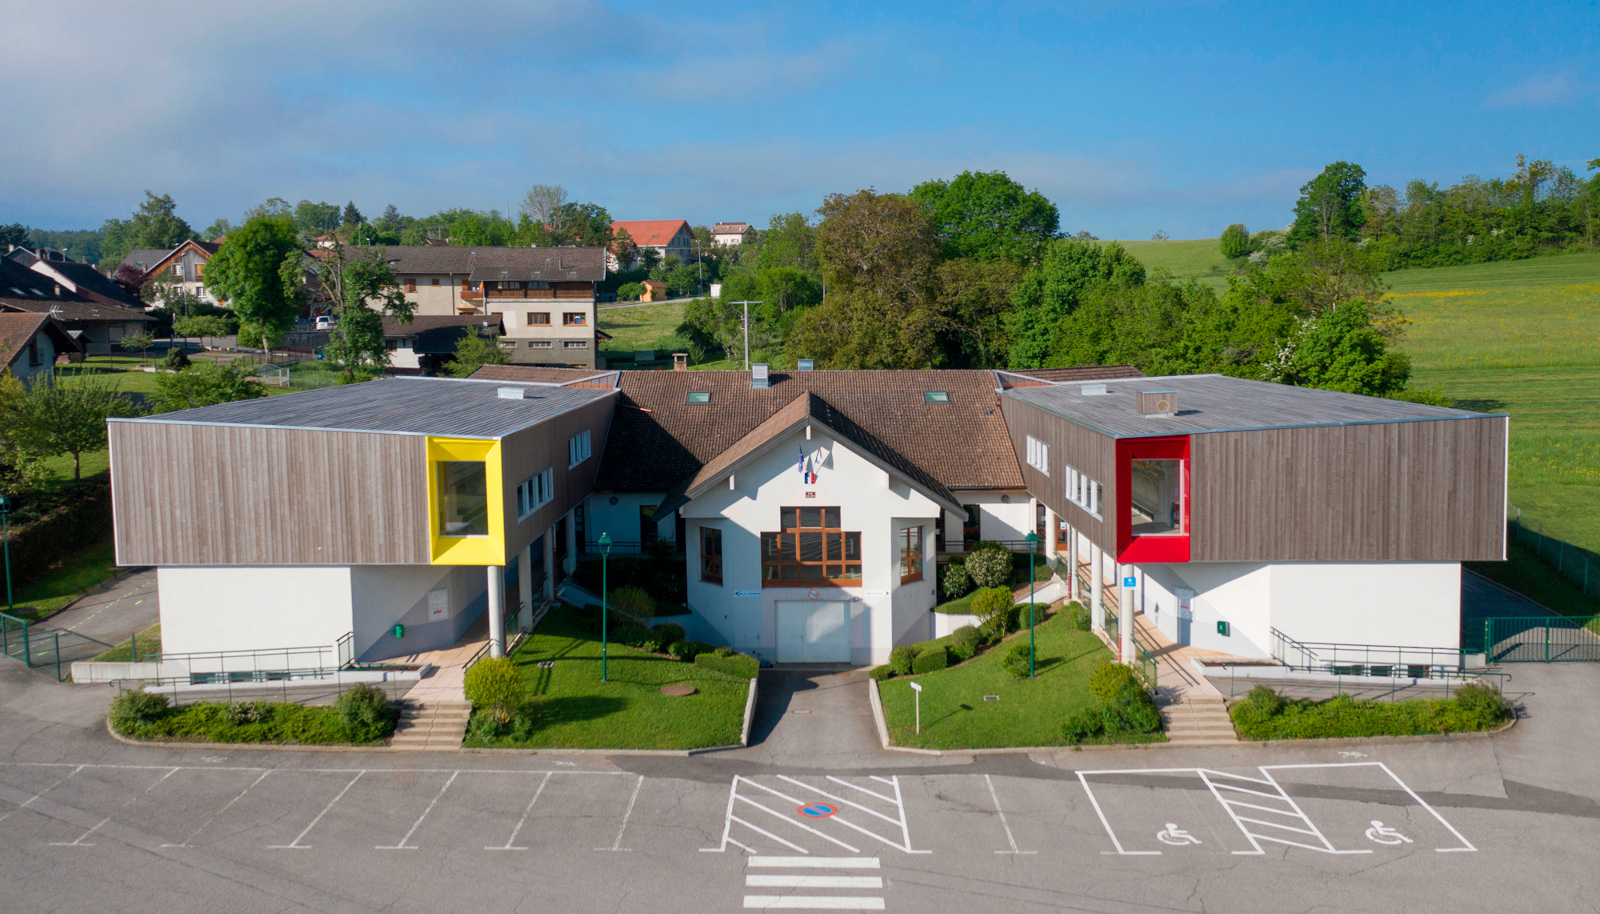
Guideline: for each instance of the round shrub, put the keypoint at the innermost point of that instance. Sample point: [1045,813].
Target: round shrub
[880,673]
[1015,660]
[1079,616]
[132,709]
[932,658]
[989,567]
[964,642]
[633,601]
[1483,703]
[177,359]
[247,712]
[900,659]
[364,711]
[957,582]
[494,686]
[1082,725]
[688,650]
[1264,701]
[671,633]
[993,605]
[1108,679]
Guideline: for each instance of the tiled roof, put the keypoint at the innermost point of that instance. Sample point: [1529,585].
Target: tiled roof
[539,375]
[658,440]
[1021,377]
[145,258]
[656,232]
[72,310]
[730,228]
[549,264]
[15,331]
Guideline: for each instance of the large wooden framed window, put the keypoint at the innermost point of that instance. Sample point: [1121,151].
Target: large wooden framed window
[910,555]
[711,555]
[811,548]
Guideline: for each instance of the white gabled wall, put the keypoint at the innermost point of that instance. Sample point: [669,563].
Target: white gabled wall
[882,610]
[1407,604]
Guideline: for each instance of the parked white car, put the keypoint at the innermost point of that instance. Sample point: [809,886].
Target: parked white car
[325,322]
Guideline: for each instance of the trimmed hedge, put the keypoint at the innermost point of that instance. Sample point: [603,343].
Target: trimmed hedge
[354,720]
[965,641]
[688,650]
[724,660]
[1267,715]
[64,524]
[881,673]
[931,659]
[901,658]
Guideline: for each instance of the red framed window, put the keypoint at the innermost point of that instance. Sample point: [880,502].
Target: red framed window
[1153,499]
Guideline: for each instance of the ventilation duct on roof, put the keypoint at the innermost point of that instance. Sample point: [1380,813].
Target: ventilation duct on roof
[1093,390]
[758,377]
[516,393]
[1158,404]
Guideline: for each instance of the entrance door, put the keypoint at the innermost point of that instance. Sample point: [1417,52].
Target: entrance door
[814,632]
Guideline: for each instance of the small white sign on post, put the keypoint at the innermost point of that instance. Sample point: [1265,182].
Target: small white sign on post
[917,688]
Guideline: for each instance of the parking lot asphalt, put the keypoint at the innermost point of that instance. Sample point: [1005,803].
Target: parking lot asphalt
[1506,823]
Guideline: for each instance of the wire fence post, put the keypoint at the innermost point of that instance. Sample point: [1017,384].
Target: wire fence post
[58,656]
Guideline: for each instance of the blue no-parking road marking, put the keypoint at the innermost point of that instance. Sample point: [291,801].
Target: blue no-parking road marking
[817,810]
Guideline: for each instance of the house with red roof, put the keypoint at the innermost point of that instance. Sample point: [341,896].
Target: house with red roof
[665,236]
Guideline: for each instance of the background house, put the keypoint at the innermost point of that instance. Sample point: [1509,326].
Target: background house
[729,233]
[654,290]
[84,312]
[425,344]
[184,266]
[30,344]
[667,237]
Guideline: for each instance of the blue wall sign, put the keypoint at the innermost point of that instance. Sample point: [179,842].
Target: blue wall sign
[747,593]
[1128,581]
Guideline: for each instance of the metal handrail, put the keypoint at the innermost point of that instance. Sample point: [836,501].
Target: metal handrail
[1383,661]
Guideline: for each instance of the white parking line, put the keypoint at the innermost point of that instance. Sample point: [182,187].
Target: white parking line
[812,903]
[80,842]
[402,846]
[196,833]
[617,844]
[295,844]
[820,863]
[806,881]
[525,811]
[29,802]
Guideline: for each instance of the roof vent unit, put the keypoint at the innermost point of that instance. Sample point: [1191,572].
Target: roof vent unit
[758,377]
[515,393]
[1158,404]
[1093,390]
[804,364]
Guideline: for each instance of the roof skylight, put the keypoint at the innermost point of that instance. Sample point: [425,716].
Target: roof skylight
[936,396]
[699,396]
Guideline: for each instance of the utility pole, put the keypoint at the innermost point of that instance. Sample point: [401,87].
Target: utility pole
[747,305]
[699,275]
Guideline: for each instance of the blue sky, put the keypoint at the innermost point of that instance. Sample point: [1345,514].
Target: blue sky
[1132,117]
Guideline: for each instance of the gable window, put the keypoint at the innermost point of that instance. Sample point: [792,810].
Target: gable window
[574,319]
[711,555]
[538,318]
[535,492]
[578,448]
[699,396]
[811,548]
[910,555]
[1039,455]
[936,396]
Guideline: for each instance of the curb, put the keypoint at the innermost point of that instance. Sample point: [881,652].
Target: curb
[749,712]
[96,589]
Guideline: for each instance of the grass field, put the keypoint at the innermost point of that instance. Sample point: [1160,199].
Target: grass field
[575,710]
[1200,258]
[1027,713]
[1521,337]
[77,574]
[643,327]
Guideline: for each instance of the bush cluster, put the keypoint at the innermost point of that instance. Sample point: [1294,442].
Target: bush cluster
[1015,660]
[989,566]
[240,713]
[688,650]
[965,641]
[725,660]
[957,582]
[900,659]
[1265,714]
[361,715]
[931,658]
[177,359]
[495,688]
[1123,707]
[133,709]
[366,713]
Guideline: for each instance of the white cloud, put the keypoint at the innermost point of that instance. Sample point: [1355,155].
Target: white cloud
[1538,92]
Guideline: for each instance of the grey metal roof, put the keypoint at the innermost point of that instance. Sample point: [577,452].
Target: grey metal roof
[407,406]
[1216,403]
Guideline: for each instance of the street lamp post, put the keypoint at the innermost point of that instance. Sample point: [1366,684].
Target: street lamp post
[1033,546]
[699,274]
[5,533]
[605,551]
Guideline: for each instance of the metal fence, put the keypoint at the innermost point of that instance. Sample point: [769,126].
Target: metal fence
[1542,639]
[1576,563]
[1145,663]
[49,650]
[1382,661]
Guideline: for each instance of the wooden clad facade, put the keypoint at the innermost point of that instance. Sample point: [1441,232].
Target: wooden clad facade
[225,494]
[1070,445]
[528,452]
[1382,492]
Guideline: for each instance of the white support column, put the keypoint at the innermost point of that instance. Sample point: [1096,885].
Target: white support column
[1074,592]
[550,563]
[525,586]
[1125,614]
[497,611]
[1050,535]
[1097,605]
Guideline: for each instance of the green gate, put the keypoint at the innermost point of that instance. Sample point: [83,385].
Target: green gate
[1542,639]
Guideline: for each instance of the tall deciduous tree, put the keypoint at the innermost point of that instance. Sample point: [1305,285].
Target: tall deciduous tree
[1235,241]
[473,351]
[974,299]
[1330,205]
[364,289]
[540,204]
[155,226]
[789,241]
[1051,291]
[259,272]
[882,243]
[1341,350]
[313,219]
[987,216]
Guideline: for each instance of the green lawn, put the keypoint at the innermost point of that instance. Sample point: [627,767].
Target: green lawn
[1521,337]
[149,645]
[644,327]
[127,379]
[1200,258]
[1029,712]
[575,710]
[77,574]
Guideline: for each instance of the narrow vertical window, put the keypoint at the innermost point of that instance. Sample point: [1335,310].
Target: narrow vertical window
[711,555]
[910,555]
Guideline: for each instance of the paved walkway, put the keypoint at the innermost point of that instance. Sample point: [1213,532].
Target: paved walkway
[450,665]
[1176,678]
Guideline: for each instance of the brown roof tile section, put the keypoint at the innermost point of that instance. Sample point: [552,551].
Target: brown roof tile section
[1029,377]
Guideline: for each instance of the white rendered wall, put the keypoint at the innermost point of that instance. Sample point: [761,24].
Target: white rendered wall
[870,501]
[1410,604]
[621,520]
[997,519]
[252,607]
[383,595]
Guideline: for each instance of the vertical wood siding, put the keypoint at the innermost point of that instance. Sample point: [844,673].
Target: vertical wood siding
[217,494]
[1070,444]
[1401,491]
[528,452]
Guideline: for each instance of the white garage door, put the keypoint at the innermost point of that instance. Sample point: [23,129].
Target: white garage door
[814,632]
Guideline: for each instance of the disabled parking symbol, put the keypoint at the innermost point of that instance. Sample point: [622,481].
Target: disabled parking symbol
[1383,834]
[1176,836]
[817,810]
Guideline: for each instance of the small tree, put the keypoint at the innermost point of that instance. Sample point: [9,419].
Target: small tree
[993,607]
[139,342]
[494,687]
[202,327]
[205,384]
[1235,241]
[58,419]
[474,351]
